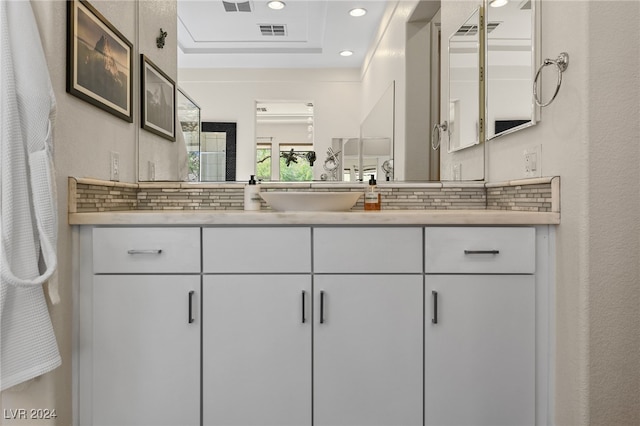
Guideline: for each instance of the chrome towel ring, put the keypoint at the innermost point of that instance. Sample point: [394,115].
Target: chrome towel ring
[561,62]
[435,134]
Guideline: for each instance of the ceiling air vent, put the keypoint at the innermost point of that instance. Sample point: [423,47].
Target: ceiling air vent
[273,30]
[471,30]
[467,30]
[230,6]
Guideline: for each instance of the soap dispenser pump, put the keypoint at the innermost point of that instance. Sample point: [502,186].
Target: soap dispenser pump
[372,196]
[252,199]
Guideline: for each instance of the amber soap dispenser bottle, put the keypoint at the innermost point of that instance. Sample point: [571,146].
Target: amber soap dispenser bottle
[372,196]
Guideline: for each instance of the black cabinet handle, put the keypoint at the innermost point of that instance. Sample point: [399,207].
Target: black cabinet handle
[322,307]
[482,252]
[191,319]
[304,317]
[434,319]
[151,251]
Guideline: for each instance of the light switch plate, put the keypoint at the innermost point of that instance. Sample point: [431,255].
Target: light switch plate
[532,160]
[114,169]
[152,170]
[457,171]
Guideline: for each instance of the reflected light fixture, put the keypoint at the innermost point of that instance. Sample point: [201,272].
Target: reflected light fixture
[276,4]
[498,3]
[346,53]
[357,12]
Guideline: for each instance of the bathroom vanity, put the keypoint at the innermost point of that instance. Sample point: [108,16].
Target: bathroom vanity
[435,310]
[348,319]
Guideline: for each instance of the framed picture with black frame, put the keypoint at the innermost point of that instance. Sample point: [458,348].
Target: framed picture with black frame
[158,100]
[99,61]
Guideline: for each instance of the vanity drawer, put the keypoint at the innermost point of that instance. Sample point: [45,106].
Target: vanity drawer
[482,250]
[256,249]
[367,250]
[146,250]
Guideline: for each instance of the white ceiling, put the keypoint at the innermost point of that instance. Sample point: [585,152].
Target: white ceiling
[316,31]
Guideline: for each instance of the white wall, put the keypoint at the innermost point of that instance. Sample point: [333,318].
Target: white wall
[418,53]
[84,136]
[230,95]
[154,15]
[613,156]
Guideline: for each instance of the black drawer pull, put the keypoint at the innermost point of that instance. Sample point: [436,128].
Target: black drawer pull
[154,251]
[322,307]
[191,319]
[482,252]
[304,317]
[434,319]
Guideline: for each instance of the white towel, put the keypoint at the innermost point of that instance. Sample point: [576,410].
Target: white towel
[28,214]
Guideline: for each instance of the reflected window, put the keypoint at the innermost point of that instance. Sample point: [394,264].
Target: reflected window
[263,162]
[284,140]
[294,166]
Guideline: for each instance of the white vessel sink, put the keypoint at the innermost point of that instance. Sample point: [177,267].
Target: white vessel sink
[311,201]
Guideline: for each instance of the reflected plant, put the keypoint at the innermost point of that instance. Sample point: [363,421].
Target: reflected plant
[194,165]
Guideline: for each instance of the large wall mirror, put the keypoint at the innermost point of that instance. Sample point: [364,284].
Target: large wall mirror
[510,62]
[464,126]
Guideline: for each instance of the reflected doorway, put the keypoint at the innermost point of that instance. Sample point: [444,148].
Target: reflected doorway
[218,152]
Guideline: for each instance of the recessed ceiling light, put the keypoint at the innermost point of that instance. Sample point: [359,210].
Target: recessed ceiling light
[276,4]
[498,3]
[358,11]
[346,53]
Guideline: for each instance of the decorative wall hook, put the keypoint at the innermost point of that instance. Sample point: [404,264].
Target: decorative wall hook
[311,157]
[161,38]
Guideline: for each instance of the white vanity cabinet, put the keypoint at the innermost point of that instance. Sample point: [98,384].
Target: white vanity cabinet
[139,348]
[314,325]
[480,326]
[257,325]
[368,315]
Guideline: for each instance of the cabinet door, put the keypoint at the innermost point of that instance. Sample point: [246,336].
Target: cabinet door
[368,364]
[257,350]
[480,350]
[146,350]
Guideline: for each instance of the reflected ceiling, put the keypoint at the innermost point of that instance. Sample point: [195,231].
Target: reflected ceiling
[248,34]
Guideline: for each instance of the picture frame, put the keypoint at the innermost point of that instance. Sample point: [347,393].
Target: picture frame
[157,100]
[99,61]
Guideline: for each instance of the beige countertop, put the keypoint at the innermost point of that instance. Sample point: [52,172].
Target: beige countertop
[384,217]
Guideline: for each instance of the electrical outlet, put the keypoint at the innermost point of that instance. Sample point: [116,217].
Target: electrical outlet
[152,170]
[457,171]
[114,169]
[532,162]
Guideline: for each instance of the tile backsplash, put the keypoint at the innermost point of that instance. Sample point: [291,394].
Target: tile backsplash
[534,195]
[100,196]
